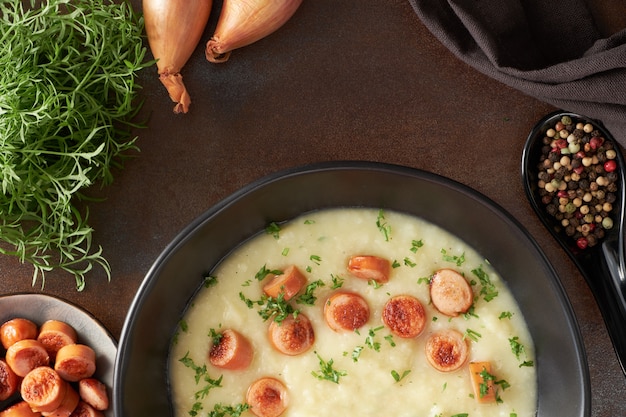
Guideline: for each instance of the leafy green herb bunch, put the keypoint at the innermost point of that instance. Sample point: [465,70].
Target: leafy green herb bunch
[68,95]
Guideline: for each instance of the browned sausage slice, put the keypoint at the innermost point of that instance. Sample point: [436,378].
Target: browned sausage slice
[267,397]
[289,283]
[404,315]
[94,393]
[55,334]
[292,336]
[370,267]
[450,292]
[17,329]
[447,350]
[68,404]
[346,311]
[43,389]
[19,409]
[233,351]
[85,410]
[75,362]
[25,355]
[9,381]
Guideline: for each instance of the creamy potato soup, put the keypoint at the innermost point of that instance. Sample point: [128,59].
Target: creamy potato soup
[368,371]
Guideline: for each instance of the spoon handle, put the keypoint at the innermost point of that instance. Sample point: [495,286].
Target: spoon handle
[604,274]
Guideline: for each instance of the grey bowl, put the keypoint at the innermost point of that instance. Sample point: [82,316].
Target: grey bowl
[140,377]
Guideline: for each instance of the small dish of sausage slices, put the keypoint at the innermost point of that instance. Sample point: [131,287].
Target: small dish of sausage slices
[57,359]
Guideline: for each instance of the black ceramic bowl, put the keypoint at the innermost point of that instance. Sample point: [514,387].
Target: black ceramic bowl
[141,379]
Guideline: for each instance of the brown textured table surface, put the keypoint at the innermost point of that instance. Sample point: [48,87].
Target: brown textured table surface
[343,80]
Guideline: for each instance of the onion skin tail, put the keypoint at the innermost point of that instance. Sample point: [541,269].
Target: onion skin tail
[177,91]
[174,29]
[243,22]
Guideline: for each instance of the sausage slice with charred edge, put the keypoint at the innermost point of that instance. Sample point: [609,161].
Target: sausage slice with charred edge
[404,315]
[25,355]
[55,334]
[85,410]
[68,404]
[44,389]
[19,409]
[447,350]
[369,267]
[94,392]
[9,381]
[267,397]
[232,351]
[289,283]
[450,292]
[292,336]
[17,329]
[75,362]
[346,311]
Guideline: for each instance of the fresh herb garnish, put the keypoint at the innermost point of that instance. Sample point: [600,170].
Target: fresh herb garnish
[472,334]
[488,289]
[308,297]
[456,259]
[370,340]
[409,262]
[327,372]
[382,225]
[210,281]
[200,375]
[67,99]
[516,347]
[518,350]
[215,336]
[337,281]
[397,377]
[505,315]
[484,385]
[220,410]
[423,280]
[263,272]
[273,229]
[470,313]
[276,308]
[415,245]
[356,353]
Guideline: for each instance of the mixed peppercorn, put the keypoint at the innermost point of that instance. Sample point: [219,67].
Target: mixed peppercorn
[578,175]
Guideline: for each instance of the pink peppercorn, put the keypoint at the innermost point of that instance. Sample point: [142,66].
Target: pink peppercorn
[610,165]
[595,142]
[582,242]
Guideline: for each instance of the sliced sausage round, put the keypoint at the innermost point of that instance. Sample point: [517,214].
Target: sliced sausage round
[346,311]
[404,315]
[450,292]
[293,335]
[447,350]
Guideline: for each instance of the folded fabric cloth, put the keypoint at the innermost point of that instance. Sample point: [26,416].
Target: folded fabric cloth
[550,50]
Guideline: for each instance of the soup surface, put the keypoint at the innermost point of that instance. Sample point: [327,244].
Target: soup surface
[369,371]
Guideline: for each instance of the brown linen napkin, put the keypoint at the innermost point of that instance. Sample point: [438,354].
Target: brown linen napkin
[550,50]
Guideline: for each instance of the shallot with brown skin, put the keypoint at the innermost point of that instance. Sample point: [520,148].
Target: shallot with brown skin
[243,22]
[174,29]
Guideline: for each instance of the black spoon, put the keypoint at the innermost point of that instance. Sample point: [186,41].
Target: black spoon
[603,265]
